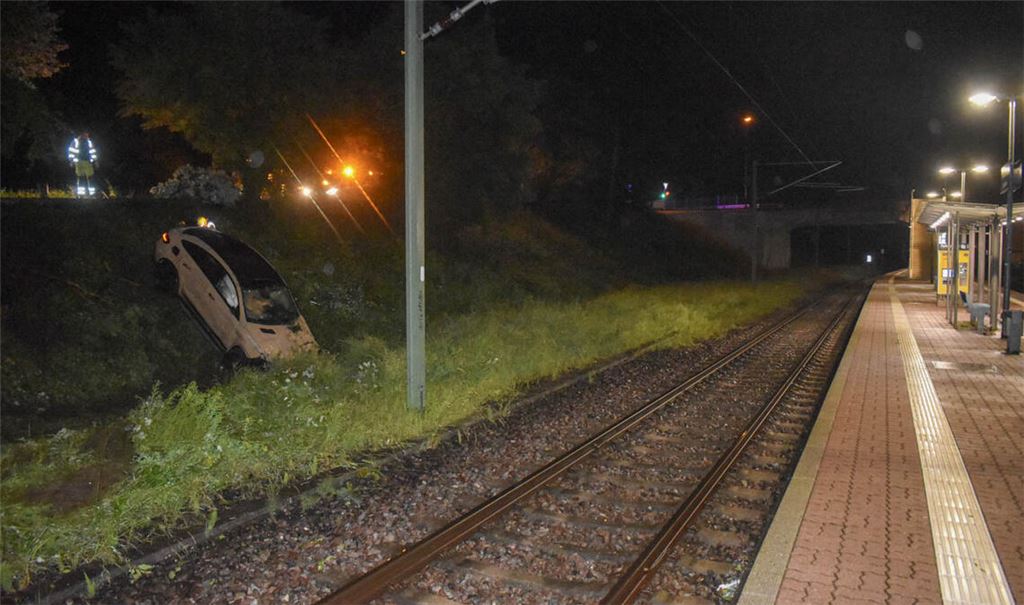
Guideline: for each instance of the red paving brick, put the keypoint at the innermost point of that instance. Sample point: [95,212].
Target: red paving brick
[867,511]
[865,535]
[984,404]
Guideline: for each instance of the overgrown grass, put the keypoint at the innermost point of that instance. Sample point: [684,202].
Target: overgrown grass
[264,429]
[66,194]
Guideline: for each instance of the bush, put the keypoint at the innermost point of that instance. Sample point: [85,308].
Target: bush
[200,184]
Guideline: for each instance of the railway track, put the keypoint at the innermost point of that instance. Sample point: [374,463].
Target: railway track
[665,505]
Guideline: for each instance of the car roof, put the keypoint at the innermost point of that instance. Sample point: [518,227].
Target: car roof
[248,265]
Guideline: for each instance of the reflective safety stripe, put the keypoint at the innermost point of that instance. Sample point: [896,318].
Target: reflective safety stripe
[969,567]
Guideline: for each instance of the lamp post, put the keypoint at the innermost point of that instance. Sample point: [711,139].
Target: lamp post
[984,98]
[963,177]
[746,123]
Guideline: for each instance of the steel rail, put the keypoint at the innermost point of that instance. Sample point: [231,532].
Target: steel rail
[630,584]
[410,560]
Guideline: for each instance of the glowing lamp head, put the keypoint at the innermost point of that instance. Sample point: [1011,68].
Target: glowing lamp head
[947,170]
[166,238]
[931,195]
[306,191]
[748,119]
[203,221]
[348,171]
[332,191]
[980,168]
[370,172]
[956,194]
[324,183]
[983,98]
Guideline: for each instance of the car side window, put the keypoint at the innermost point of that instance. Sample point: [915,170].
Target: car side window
[215,272]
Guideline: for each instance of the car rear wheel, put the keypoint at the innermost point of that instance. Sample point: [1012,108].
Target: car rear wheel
[166,276]
[233,360]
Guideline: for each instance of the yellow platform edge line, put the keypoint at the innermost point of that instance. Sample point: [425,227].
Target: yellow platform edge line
[970,571]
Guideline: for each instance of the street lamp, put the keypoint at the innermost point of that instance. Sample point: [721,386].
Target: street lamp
[984,98]
[932,195]
[747,122]
[947,170]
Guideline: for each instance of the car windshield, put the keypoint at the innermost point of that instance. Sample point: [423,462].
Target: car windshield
[268,302]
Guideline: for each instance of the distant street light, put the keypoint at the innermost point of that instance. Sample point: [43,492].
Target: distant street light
[931,194]
[956,194]
[947,170]
[984,98]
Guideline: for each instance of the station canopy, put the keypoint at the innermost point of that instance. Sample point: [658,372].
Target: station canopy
[970,213]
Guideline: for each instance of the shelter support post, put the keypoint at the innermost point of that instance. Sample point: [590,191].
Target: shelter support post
[950,246]
[954,291]
[983,253]
[972,264]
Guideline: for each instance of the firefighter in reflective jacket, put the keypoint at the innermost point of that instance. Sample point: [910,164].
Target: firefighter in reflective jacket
[83,155]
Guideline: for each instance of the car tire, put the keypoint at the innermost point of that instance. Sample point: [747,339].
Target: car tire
[233,360]
[166,276]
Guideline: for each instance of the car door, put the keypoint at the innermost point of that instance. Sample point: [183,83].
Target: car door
[213,295]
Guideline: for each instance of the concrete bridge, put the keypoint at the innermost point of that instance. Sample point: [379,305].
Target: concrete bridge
[774,227]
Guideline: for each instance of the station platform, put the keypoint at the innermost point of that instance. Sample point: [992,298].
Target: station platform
[911,488]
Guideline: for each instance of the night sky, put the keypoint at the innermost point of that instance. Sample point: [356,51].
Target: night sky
[880,86]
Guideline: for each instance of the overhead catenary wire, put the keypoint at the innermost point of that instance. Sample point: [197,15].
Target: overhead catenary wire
[736,82]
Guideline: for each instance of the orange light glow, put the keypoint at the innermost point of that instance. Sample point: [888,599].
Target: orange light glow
[202,222]
[348,171]
[324,182]
[329,171]
[370,173]
[166,238]
[748,119]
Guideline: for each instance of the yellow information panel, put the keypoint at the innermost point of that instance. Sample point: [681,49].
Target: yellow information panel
[946,274]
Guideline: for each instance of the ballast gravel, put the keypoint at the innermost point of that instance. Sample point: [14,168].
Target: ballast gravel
[302,553]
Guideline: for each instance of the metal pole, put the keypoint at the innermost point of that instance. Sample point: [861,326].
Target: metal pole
[963,185]
[756,252]
[1007,239]
[415,305]
[950,262]
[995,264]
[972,259]
[956,270]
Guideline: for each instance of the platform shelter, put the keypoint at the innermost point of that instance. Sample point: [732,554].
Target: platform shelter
[959,247]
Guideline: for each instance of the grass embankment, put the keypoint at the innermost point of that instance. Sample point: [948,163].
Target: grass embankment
[81,494]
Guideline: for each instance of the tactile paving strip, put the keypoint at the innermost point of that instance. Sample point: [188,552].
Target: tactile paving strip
[969,568]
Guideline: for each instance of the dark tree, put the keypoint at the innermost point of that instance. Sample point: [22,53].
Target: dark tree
[29,45]
[482,137]
[29,130]
[230,77]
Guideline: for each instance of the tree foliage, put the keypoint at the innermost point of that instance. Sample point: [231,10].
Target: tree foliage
[29,48]
[481,132]
[28,41]
[229,78]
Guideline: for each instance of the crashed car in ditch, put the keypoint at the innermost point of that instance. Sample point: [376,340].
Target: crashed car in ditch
[237,298]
